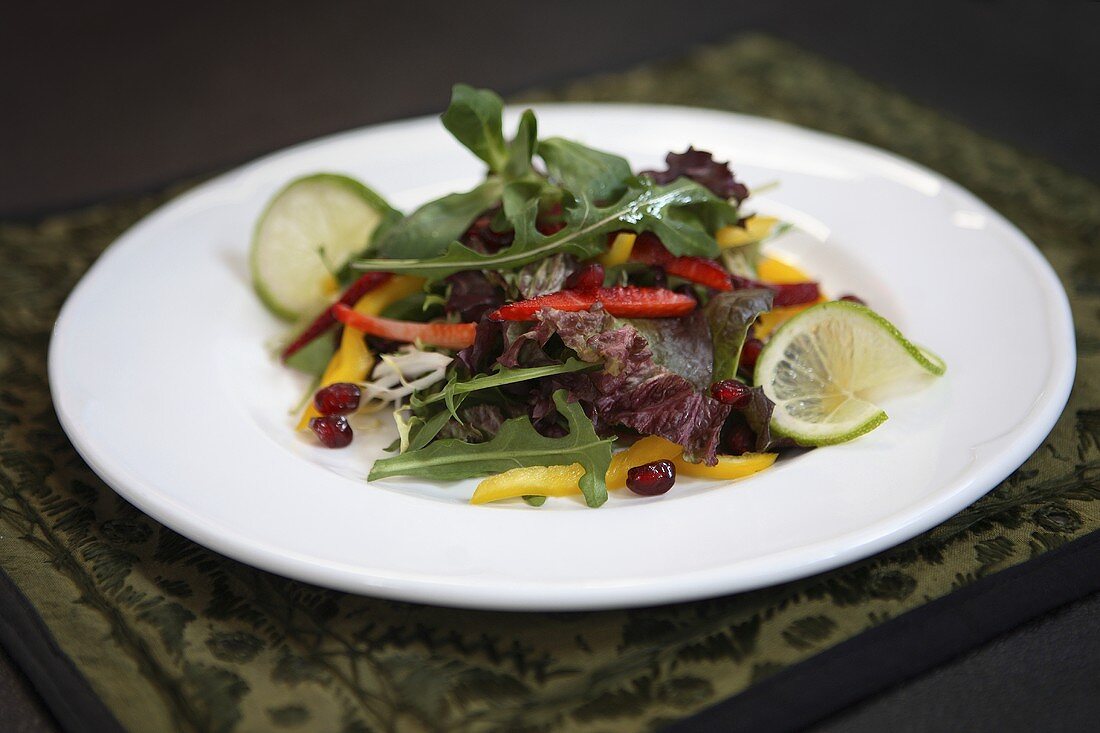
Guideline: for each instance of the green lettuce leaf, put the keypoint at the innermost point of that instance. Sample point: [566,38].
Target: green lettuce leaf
[314,357]
[499,378]
[474,118]
[517,444]
[644,206]
[730,315]
[593,173]
[522,147]
[426,232]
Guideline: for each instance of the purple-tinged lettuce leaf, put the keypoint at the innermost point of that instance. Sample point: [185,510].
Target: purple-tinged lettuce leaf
[681,345]
[633,390]
[759,417]
[471,295]
[701,167]
[730,315]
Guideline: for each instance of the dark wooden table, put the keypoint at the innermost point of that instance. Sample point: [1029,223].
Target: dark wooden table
[122,98]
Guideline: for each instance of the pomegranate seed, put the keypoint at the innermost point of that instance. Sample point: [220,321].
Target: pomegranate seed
[652,479]
[341,398]
[589,277]
[750,352]
[731,392]
[332,430]
[853,299]
[741,440]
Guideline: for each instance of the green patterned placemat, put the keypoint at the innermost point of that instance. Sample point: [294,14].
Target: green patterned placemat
[174,637]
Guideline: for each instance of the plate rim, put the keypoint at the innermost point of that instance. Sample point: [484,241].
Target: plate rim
[543,595]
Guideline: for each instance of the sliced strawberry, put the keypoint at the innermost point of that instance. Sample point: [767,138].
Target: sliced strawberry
[634,302]
[323,322]
[446,335]
[649,249]
[563,300]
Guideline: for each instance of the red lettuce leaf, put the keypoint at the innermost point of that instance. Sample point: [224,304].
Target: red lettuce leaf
[701,167]
[633,390]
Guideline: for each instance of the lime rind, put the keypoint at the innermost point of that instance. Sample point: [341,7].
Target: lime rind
[288,272]
[819,365]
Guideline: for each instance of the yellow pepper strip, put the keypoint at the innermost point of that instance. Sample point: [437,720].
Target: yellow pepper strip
[769,321]
[619,251]
[648,449]
[756,228]
[565,480]
[532,480]
[353,361]
[778,272]
[728,466]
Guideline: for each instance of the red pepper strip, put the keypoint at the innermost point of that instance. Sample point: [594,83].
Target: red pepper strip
[326,319]
[563,300]
[648,249]
[785,294]
[629,302]
[446,335]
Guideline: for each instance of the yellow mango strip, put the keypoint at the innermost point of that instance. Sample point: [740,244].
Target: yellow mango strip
[778,272]
[619,251]
[565,480]
[729,467]
[531,480]
[353,361]
[756,228]
[647,450]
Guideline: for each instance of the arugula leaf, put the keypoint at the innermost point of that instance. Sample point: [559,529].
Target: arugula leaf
[501,377]
[522,147]
[422,432]
[314,357]
[534,500]
[428,231]
[517,444]
[730,315]
[644,206]
[593,173]
[474,118]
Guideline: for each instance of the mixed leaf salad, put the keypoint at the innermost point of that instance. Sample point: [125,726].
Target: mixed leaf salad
[563,308]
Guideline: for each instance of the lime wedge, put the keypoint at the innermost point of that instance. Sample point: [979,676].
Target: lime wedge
[823,367]
[308,232]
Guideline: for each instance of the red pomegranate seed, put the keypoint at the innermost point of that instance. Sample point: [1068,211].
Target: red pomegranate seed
[853,299]
[731,392]
[652,479]
[740,440]
[750,352]
[589,277]
[332,430]
[341,398]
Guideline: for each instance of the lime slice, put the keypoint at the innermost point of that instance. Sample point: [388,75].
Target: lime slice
[308,232]
[823,367]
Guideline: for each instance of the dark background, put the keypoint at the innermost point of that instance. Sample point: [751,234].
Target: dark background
[115,98]
[121,96]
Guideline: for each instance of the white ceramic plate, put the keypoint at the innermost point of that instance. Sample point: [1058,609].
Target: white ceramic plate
[162,378]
